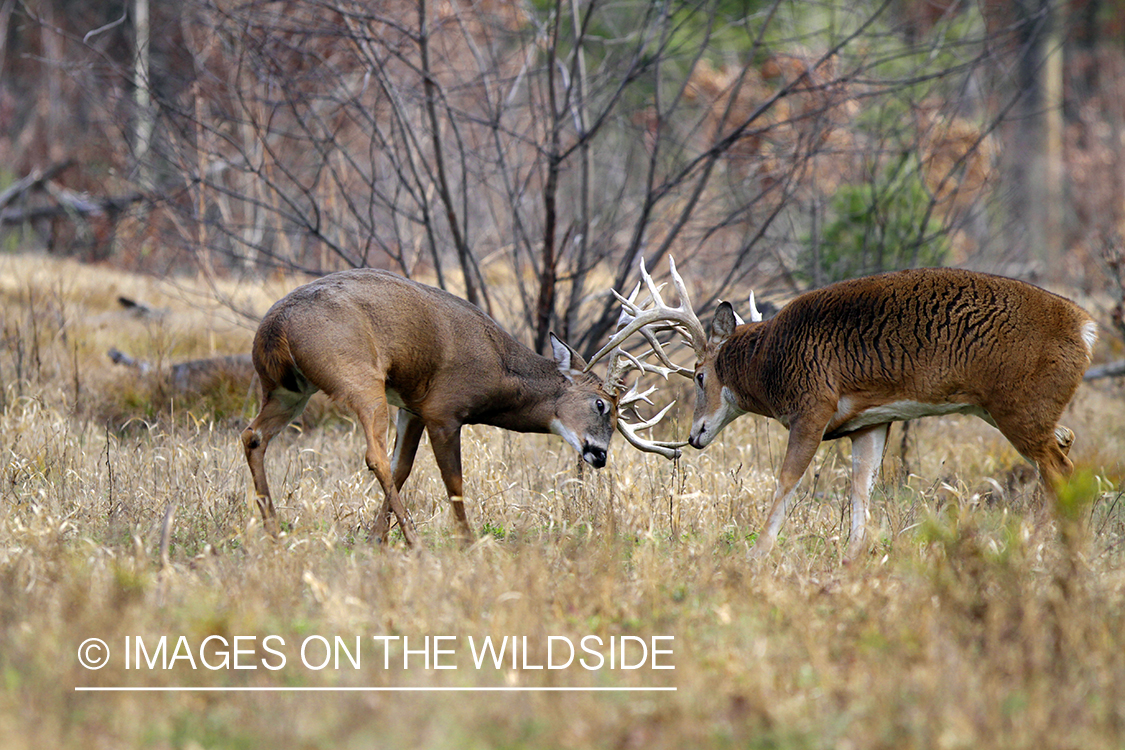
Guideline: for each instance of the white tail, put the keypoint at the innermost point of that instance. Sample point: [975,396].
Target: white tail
[849,359]
[371,339]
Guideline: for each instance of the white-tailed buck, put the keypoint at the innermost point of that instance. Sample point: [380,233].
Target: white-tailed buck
[848,359]
[371,339]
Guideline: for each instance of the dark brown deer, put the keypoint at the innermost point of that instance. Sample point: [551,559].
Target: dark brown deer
[848,359]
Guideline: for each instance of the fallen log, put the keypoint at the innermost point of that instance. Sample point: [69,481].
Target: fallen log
[68,204]
[1108,370]
[32,181]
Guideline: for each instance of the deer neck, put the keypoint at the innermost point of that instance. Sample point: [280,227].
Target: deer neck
[523,399]
[739,366]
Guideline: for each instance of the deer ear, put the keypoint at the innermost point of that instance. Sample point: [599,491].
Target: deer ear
[568,360]
[723,324]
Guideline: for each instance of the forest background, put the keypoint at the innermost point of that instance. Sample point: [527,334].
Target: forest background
[779,144]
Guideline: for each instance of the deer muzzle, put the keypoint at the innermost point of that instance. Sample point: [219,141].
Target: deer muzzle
[594,455]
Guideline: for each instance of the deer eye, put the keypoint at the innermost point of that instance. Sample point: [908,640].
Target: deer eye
[699,378]
[600,406]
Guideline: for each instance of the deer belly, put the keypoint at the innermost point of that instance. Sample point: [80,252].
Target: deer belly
[896,411]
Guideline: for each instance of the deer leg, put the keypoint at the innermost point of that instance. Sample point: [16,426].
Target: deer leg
[408,432]
[1064,436]
[805,434]
[279,408]
[446,443]
[1054,466]
[1046,446]
[373,418]
[868,446]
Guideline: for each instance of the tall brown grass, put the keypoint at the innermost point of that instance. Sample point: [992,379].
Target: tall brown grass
[969,625]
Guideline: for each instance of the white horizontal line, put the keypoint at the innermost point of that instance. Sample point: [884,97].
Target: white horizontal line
[372,689]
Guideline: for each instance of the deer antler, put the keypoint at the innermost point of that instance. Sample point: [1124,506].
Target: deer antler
[668,449]
[659,317]
[620,363]
[755,316]
[636,319]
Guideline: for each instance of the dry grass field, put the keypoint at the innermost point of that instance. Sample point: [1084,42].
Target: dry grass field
[969,625]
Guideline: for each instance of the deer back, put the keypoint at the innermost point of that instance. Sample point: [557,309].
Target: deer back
[925,335]
[434,352]
[367,318]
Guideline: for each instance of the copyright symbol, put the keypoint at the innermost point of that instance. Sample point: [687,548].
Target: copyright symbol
[93,653]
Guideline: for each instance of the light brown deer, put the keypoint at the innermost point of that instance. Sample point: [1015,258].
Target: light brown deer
[848,359]
[371,339]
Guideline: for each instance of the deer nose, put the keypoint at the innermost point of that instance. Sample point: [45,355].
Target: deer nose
[594,455]
[695,440]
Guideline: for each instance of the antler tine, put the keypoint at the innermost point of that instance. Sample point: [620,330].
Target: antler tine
[660,316]
[649,321]
[622,361]
[653,289]
[755,316]
[633,396]
[668,449]
[658,349]
[617,369]
[636,363]
[695,331]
